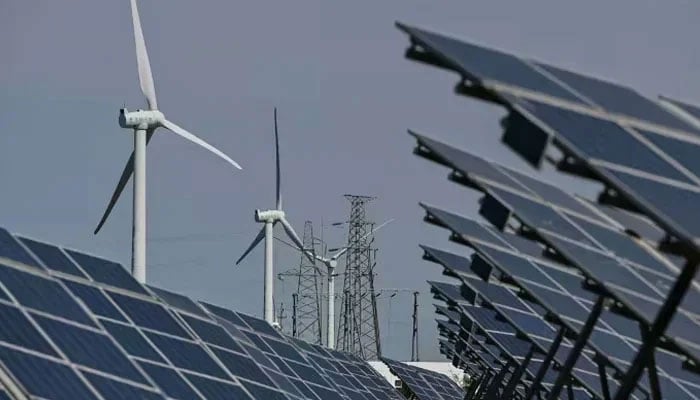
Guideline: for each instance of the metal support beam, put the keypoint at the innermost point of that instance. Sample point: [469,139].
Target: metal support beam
[478,394]
[603,379]
[472,388]
[570,390]
[534,386]
[651,367]
[581,340]
[492,391]
[517,375]
[663,318]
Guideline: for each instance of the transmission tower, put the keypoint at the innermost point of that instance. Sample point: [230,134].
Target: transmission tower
[358,331]
[307,310]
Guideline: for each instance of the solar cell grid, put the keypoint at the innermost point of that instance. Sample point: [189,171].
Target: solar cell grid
[148,314]
[469,165]
[178,301]
[424,383]
[44,378]
[11,250]
[95,300]
[42,294]
[107,272]
[52,257]
[486,65]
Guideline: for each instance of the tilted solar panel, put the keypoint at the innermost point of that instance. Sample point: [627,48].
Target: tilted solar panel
[69,335]
[425,384]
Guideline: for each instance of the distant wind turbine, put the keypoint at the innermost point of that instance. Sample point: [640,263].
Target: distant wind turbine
[144,124]
[270,218]
[331,263]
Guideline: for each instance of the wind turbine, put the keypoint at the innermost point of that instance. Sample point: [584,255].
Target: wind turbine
[331,263]
[144,124]
[270,218]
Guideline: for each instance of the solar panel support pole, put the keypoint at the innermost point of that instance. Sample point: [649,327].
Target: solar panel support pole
[651,367]
[663,318]
[542,371]
[570,390]
[517,375]
[484,385]
[472,388]
[565,373]
[492,390]
[603,379]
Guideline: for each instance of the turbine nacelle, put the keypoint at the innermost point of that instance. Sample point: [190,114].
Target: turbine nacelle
[332,263]
[140,119]
[269,215]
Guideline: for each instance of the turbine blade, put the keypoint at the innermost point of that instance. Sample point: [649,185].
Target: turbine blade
[368,234]
[316,256]
[194,139]
[277,159]
[144,65]
[258,239]
[123,180]
[293,235]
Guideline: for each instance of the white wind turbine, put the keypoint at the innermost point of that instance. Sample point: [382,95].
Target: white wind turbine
[331,263]
[270,218]
[144,124]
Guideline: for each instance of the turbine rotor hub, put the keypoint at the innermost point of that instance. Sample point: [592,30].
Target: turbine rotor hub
[271,216]
[140,119]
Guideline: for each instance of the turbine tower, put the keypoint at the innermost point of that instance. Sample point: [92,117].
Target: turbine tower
[270,218]
[359,326]
[144,124]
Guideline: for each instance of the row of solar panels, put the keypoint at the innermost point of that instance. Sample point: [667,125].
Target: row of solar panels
[551,265]
[74,326]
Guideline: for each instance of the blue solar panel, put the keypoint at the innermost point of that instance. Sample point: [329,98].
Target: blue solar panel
[148,315]
[674,202]
[52,257]
[683,151]
[483,64]
[90,349]
[107,272]
[469,165]
[261,392]
[465,227]
[18,330]
[537,214]
[4,395]
[242,366]
[618,99]
[187,355]
[112,389]
[212,333]
[42,294]
[179,301]
[132,341]
[95,300]
[44,378]
[10,249]
[169,381]
[425,384]
[594,138]
[217,390]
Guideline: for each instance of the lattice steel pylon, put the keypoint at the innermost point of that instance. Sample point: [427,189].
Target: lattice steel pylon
[358,330]
[308,310]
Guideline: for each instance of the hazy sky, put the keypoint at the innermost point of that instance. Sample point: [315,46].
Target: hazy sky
[346,96]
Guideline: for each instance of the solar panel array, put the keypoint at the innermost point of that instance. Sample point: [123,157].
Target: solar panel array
[549,267]
[425,384]
[75,326]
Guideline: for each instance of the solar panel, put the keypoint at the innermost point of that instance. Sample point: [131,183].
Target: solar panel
[12,250]
[52,257]
[71,336]
[425,384]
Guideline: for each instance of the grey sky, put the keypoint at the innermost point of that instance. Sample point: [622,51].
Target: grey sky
[345,95]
